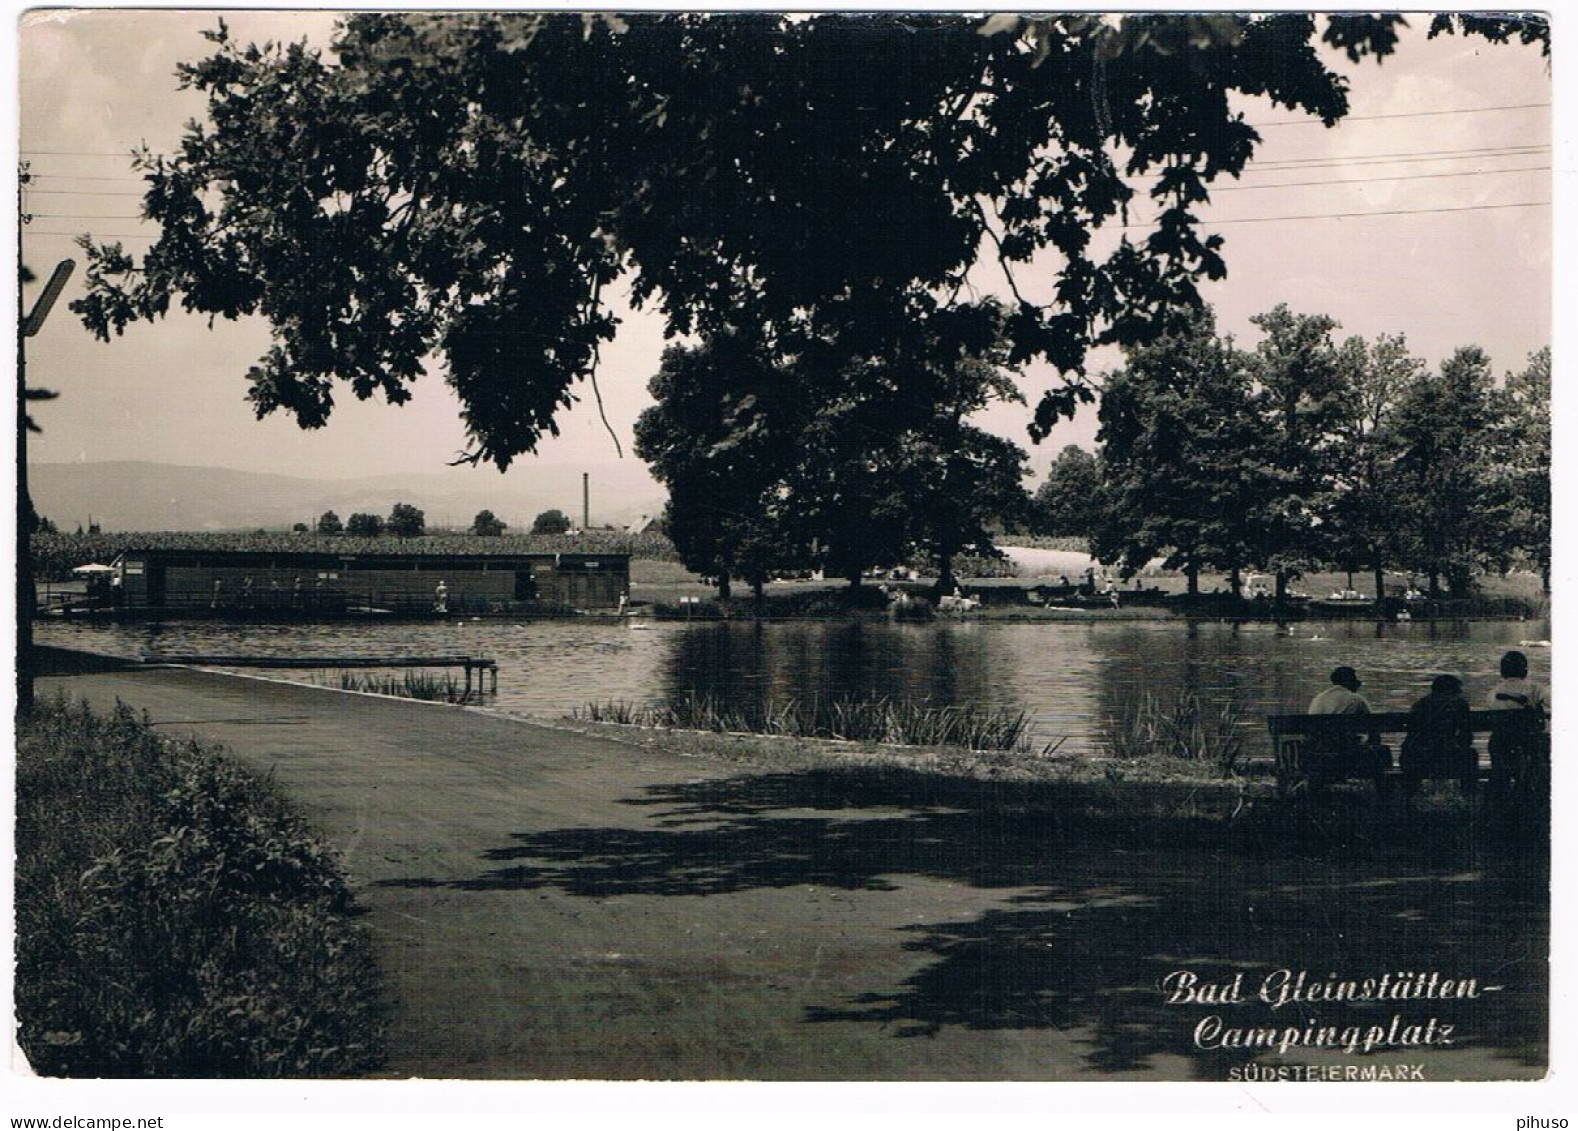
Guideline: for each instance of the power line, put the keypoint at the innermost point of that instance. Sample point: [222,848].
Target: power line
[121,179]
[78,216]
[1379,180]
[87,152]
[1414,114]
[1398,158]
[1356,215]
[30,231]
[80,192]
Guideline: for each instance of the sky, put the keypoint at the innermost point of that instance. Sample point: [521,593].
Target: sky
[1446,144]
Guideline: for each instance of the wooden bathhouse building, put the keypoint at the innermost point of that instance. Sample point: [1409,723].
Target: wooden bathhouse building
[323,582]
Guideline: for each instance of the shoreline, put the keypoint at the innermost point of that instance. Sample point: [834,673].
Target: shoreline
[986,615]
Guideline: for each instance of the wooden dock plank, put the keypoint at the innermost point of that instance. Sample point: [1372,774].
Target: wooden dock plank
[323,661]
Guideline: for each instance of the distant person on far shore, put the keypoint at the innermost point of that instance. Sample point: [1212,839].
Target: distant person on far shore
[1522,735]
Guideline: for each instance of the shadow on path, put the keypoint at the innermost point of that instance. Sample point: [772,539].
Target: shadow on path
[1105,910]
[1095,959]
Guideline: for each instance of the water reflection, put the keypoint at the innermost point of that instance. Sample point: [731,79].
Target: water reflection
[1068,677]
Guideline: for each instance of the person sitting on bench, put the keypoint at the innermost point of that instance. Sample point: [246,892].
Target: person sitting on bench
[1521,736]
[1440,740]
[1347,755]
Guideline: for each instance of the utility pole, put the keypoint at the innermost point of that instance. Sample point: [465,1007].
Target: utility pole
[27,324]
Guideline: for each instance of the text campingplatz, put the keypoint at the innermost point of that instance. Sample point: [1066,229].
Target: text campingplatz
[1284,987]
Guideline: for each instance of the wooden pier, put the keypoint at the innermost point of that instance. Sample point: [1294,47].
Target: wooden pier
[482,665]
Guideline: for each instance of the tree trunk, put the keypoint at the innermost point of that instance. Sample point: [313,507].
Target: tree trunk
[1192,571]
[757,590]
[1235,582]
[723,585]
[945,578]
[1435,582]
[1380,582]
[1282,585]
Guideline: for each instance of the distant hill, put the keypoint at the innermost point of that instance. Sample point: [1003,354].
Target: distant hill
[134,495]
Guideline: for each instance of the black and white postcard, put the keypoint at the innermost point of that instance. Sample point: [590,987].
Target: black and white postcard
[836,547]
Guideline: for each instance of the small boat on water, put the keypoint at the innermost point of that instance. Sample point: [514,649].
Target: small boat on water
[1342,606]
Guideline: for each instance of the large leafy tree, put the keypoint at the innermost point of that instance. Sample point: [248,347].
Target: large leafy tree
[363,525]
[1525,469]
[1368,514]
[722,436]
[553,521]
[406,521]
[961,479]
[1301,400]
[849,461]
[1067,504]
[488,525]
[1448,468]
[466,186]
[889,462]
[1179,442]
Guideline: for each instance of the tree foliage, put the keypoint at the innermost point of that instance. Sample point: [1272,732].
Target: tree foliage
[466,186]
[1180,444]
[488,525]
[1446,462]
[1365,521]
[1303,455]
[773,461]
[406,521]
[1068,503]
[721,436]
[1300,400]
[551,522]
[364,525]
[329,523]
[1526,468]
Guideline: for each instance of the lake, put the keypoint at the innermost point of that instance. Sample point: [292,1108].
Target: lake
[1069,677]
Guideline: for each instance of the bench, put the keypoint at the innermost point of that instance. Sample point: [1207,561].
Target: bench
[1295,736]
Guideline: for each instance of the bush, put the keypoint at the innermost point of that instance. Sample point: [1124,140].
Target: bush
[174,917]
